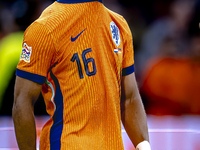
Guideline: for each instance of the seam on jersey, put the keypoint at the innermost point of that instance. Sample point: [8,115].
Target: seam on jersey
[53,91]
[49,31]
[57,126]
[98,18]
[31,76]
[128,32]
[53,39]
[54,43]
[52,67]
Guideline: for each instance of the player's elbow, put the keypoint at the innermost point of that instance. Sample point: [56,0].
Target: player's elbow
[16,109]
[132,103]
[21,105]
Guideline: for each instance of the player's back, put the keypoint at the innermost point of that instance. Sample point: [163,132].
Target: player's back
[82,91]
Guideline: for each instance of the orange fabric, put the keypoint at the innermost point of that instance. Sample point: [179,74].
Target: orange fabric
[91,104]
[172,86]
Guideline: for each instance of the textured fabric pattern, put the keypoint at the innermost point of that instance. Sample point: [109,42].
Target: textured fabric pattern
[72,46]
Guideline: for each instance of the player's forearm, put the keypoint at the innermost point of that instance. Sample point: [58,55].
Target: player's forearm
[25,129]
[134,120]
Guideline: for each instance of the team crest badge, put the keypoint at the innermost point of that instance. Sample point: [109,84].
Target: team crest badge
[115,33]
[26,53]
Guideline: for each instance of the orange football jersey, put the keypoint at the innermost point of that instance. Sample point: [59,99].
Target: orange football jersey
[79,50]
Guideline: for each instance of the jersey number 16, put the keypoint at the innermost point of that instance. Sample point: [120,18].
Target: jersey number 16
[86,61]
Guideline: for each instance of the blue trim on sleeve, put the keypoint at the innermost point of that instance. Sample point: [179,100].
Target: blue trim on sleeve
[30,76]
[57,127]
[77,1]
[128,70]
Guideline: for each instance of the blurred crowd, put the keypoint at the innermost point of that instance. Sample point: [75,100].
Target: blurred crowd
[166,50]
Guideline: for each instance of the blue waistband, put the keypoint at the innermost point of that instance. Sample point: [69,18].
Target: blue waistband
[78,1]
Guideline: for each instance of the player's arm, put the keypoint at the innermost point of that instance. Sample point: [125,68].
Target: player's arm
[25,95]
[132,111]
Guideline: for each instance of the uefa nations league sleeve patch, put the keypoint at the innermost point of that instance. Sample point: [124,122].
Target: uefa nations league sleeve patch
[26,53]
[115,33]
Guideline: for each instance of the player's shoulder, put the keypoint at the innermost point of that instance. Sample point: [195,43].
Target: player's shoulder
[51,16]
[47,15]
[120,21]
[115,15]
[47,21]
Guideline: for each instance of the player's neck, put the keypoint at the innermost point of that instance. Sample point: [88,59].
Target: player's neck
[78,1]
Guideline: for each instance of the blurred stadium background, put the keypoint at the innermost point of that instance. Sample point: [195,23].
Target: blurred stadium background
[167,62]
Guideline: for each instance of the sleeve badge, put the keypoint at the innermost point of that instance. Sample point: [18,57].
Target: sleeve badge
[26,53]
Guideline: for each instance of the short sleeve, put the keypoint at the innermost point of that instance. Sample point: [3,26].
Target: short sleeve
[37,53]
[128,55]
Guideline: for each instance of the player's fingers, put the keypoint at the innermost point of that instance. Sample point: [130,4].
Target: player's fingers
[199,25]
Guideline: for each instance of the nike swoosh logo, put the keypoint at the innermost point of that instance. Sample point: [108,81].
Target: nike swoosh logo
[74,39]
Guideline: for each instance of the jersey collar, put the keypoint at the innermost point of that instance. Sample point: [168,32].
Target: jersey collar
[77,1]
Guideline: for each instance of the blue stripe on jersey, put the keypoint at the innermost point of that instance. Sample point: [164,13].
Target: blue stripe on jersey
[128,70]
[57,127]
[30,76]
[77,1]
